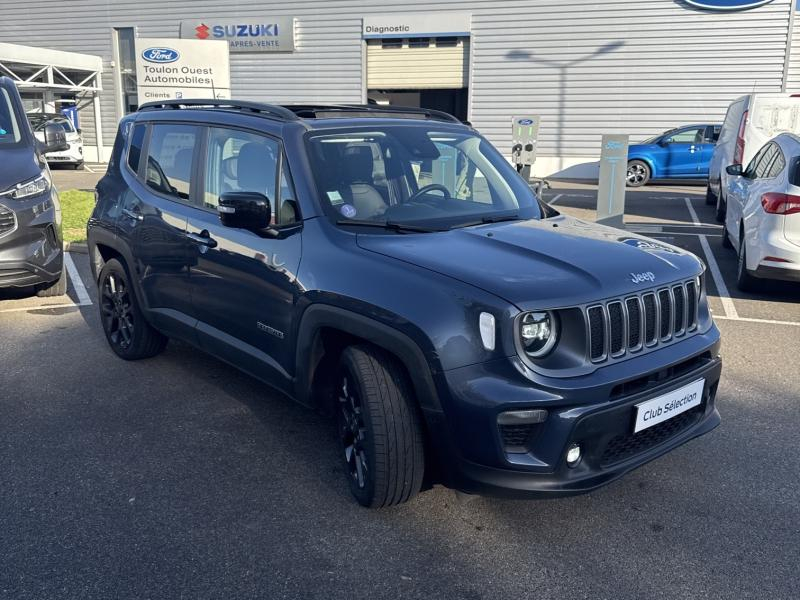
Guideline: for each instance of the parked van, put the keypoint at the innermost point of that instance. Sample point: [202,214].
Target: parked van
[750,123]
[31,249]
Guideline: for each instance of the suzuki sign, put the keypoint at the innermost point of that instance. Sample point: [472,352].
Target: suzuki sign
[168,69]
[270,34]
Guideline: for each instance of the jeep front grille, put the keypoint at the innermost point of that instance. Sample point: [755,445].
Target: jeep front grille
[645,320]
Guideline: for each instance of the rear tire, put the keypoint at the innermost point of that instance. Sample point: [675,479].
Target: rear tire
[379,428]
[57,288]
[127,332]
[726,239]
[638,173]
[745,281]
[711,197]
[722,209]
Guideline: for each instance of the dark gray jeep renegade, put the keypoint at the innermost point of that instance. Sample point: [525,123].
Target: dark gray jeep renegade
[390,267]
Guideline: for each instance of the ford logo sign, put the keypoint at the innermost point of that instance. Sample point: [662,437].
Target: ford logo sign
[727,4]
[161,55]
[525,122]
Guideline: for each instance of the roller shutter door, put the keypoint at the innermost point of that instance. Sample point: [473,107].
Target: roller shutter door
[418,64]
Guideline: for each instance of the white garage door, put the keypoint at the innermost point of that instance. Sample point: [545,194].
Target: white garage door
[412,64]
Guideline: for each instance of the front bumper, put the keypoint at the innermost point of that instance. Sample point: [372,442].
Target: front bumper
[31,247]
[597,413]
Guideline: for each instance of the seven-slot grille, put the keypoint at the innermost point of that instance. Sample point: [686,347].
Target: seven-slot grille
[642,320]
[8,221]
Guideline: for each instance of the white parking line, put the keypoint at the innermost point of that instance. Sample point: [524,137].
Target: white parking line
[727,303]
[555,199]
[767,321]
[88,169]
[77,283]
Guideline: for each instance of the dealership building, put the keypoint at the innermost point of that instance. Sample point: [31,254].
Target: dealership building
[585,68]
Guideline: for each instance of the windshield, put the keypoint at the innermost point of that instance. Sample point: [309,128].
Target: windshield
[10,132]
[38,121]
[417,176]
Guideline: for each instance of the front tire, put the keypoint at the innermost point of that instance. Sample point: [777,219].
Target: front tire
[638,173]
[127,332]
[745,281]
[379,428]
[57,288]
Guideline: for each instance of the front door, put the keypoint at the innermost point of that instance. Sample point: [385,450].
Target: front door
[683,152]
[154,216]
[244,284]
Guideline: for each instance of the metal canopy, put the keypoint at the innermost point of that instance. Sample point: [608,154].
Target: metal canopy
[42,68]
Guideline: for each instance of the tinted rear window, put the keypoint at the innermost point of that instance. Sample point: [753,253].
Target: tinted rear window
[135,149]
[169,159]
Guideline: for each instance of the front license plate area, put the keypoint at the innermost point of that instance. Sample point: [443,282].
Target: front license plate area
[657,410]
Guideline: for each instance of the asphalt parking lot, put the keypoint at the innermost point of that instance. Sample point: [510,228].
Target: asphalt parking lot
[179,477]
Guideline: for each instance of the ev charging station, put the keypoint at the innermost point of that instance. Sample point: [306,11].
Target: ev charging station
[524,135]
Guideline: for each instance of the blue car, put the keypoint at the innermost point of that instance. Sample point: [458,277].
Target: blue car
[680,153]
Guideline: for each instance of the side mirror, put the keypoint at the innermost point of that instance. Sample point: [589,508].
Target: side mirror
[55,138]
[663,142]
[245,210]
[735,170]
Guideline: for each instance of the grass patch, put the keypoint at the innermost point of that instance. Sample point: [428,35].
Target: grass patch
[76,208]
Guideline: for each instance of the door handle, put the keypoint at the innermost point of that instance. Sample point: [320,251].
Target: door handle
[131,214]
[203,238]
[692,149]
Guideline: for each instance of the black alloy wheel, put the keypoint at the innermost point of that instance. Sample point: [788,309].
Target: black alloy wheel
[353,433]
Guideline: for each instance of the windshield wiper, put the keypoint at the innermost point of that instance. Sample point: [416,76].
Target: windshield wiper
[486,220]
[391,225]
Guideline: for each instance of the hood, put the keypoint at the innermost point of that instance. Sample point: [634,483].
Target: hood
[551,263]
[19,164]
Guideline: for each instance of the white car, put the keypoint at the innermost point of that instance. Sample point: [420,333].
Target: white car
[763,215]
[751,121]
[73,155]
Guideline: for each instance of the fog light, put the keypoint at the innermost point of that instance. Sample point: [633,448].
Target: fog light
[573,455]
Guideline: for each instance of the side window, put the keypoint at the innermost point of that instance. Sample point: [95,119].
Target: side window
[778,163]
[755,163]
[687,136]
[712,134]
[135,147]
[239,161]
[169,159]
[763,166]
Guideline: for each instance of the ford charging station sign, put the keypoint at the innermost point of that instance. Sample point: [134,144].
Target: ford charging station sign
[161,55]
[727,4]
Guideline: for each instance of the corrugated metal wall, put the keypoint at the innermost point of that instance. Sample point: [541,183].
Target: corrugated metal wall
[630,66]
[793,70]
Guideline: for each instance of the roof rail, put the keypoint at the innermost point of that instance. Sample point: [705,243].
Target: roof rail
[322,111]
[269,110]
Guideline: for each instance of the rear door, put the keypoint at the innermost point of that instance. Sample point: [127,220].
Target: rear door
[153,218]
[682,156]
[742,188]
[244,286]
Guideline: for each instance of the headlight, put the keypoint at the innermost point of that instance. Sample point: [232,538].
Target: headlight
[34,187]
[538,332]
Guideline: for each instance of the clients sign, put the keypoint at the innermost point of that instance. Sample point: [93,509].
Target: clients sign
[417,25]
[167,69]
[727,4]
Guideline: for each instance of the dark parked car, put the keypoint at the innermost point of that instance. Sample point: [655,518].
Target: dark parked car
[680,153]
[390,267]
[31,252]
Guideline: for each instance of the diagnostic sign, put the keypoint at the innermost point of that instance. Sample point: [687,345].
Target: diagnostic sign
[524,135]
[611,187]
[168,69]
